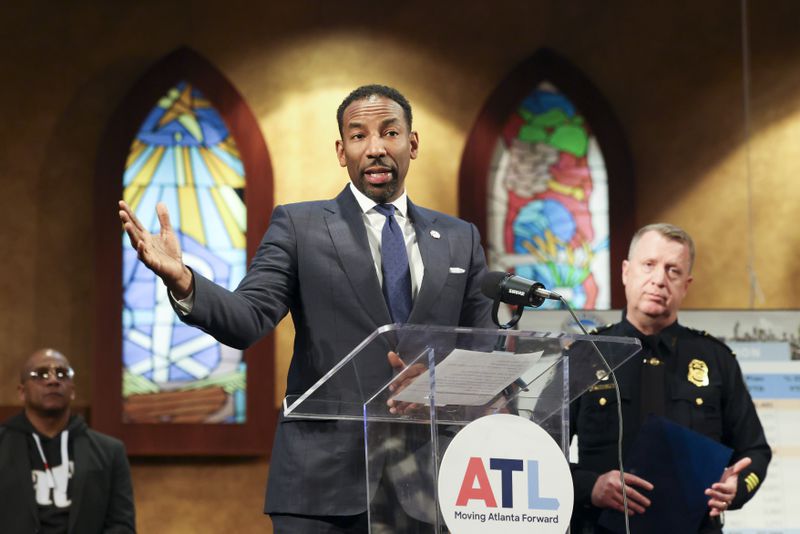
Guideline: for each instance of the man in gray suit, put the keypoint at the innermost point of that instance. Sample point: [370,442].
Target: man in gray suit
[314,262]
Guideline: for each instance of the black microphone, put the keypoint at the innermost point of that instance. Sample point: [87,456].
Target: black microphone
[513,289]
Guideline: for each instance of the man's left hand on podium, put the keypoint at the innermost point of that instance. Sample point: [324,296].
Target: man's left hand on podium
[407,374]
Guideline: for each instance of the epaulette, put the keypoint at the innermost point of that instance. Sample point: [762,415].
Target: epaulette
[706,335]
[597,329]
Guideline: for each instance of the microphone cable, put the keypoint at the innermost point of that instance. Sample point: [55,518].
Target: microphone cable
[619,410]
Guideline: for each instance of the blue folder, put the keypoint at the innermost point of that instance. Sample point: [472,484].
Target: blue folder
[681,464]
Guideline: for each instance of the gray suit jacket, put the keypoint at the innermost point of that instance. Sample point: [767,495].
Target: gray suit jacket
[314,261]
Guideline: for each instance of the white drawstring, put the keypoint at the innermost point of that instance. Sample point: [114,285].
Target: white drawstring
[51,480]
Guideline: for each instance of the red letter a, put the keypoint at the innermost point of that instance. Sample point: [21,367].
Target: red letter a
[476,471]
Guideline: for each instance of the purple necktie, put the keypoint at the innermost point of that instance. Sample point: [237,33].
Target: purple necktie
[394,265]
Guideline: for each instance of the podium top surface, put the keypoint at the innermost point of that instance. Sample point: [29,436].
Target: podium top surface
[459,371]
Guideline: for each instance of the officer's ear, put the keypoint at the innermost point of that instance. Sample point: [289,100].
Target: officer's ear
[625,265]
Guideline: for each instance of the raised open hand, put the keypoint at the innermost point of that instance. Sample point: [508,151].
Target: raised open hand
[161,253]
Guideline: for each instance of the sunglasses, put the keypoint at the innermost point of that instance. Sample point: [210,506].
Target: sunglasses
[59,373]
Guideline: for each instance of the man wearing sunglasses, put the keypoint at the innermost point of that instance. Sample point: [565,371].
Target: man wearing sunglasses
[57,475]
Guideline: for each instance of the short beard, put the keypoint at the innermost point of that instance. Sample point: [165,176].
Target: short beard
[382,194]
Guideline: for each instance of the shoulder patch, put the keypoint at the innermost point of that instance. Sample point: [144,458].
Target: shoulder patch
[706,335]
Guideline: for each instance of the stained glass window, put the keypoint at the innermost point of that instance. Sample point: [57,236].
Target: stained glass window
[548,201]
[184,157]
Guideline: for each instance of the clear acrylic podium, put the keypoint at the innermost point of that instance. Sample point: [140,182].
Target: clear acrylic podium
[448,378]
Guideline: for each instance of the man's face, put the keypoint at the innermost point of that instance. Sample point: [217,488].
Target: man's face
[656,279]
[47,396]
[376,147]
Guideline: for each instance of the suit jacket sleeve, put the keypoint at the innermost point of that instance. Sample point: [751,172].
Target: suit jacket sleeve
[264,296]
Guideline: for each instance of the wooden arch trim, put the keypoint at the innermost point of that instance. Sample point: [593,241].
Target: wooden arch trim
[546,65]
[254,437]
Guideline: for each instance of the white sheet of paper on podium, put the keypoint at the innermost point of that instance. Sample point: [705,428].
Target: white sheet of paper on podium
[469,371]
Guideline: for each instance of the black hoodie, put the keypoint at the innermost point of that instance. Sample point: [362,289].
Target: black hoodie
[51,482]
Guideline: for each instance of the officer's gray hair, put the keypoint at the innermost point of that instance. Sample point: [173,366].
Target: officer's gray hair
[669,231]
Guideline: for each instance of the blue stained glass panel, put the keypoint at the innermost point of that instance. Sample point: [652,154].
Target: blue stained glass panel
[184,157]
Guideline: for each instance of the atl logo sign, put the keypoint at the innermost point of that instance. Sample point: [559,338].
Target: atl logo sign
[503,473]
[476,485]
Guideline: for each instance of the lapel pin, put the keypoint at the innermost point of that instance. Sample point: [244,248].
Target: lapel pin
[435,234]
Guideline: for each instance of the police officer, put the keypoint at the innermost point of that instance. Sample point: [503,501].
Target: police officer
[682,374]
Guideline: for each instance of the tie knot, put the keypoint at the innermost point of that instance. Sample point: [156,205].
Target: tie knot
[386,210]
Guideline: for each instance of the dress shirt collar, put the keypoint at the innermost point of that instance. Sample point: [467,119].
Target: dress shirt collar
[400,204]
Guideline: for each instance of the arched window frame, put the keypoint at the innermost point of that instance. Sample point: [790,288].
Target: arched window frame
[254,436]
[546,65]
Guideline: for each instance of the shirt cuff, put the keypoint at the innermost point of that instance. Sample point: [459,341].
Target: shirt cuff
[184,306]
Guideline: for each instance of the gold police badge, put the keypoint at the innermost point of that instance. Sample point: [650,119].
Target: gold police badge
[698,373]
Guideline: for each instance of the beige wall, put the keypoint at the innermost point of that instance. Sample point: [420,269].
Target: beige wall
[199,496]
[672,72]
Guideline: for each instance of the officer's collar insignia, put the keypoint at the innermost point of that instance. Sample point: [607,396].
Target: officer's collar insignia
[698,373]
